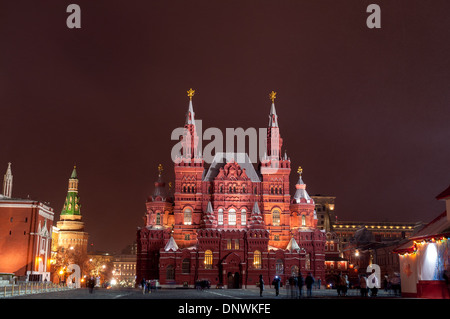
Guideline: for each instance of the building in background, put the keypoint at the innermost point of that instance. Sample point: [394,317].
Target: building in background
[25,235]
[229,223]
[382,231]
[124,267]
[325,211]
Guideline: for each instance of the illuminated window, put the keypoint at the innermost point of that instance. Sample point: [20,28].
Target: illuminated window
[303,220]
[243,217]
[187,216]
[228,243]
[232,217]
[220,217]
[236,244]
[257,259]
[208,259]
[276,218]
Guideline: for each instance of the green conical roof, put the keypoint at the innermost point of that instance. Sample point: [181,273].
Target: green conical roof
[74,173]
[72,203]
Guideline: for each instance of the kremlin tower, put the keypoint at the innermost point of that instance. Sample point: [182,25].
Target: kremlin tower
[69,232]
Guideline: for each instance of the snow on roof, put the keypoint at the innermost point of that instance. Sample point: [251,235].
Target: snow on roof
[171,245]
[220,159]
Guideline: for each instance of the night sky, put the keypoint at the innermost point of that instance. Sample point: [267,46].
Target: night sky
[365,112]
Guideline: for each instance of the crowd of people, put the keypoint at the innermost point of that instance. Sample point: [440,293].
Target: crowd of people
[368,285]
[296,284]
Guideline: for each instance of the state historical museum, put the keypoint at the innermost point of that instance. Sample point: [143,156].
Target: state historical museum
[230,222]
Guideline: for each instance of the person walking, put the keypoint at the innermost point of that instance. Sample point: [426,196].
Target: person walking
[363,285]
[91,284]
[144,285]
[300,283]
[293,282]
[261,285]
[309,281]
[395,284]
[343,285]
[338,284]
[374,284]
[276,284]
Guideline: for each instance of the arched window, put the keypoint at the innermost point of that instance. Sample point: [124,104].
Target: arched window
[187,216]
[303,220]
[279,268]
[220,217]
[276,218]
[257,259]
[294,270]
[243,217]
[208,259]
[186,266]
[244,189]
[158,218]
[231,217]
[184,189]
[170,273]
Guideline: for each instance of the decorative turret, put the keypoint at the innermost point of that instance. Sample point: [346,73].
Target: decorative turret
[190,138]
[301,195]
[8,182]
[72,204]
[256,219]
[274,140]
[208,220]
[160,193]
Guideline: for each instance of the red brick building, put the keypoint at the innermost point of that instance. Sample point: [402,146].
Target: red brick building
[229,223]
[25,235]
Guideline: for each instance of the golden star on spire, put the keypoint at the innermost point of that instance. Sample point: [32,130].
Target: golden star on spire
[191,93]
[273,96]
[300,170]
[160,169]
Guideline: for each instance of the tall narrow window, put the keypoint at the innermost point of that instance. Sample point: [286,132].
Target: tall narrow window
[220,217]
[276,218]
[170,273]
[187,216]
[303,220]
[186,266]
[208,259]
[243,217]
[279,268]
[257,259]
[231,217]
[228,243]
[236,244]
[158,218]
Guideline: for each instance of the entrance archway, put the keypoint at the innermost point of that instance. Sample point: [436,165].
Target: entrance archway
[234,280]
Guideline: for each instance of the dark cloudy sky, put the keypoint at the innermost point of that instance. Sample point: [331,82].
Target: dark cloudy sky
[365,112]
